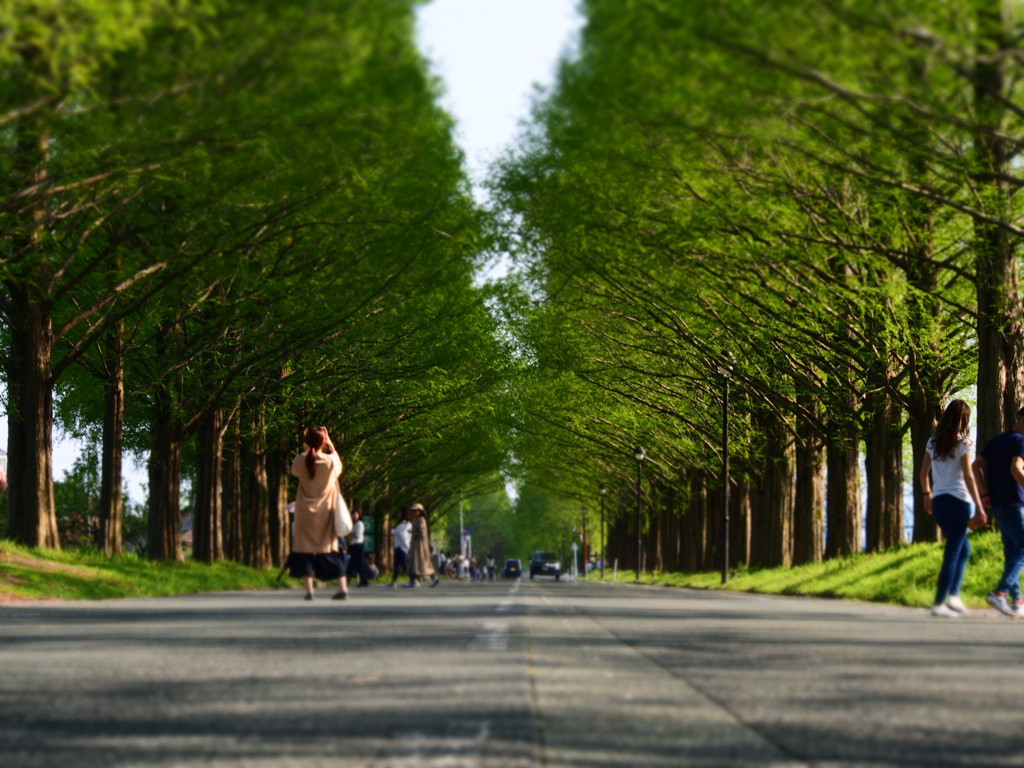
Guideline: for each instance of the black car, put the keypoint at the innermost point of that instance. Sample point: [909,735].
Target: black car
[545,564]
[513,569]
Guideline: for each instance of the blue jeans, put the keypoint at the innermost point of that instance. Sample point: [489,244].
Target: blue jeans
[951,515]
[1011,527]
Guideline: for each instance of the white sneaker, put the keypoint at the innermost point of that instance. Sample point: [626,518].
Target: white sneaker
[998,602]
[944,611]
[956,604]
[1018,610]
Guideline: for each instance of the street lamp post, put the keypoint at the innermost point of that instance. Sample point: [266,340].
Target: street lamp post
[583,556]
[725,369]
[639,455]
[604,540]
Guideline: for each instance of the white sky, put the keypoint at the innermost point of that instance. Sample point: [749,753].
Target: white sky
[490,55]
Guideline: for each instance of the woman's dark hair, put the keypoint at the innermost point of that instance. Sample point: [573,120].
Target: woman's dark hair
[315,441]
[953,426]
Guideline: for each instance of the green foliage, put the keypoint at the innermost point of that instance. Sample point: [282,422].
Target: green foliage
[261,209]
[545,520]
[77,498]
[783,181]
[489,517]
[55,46]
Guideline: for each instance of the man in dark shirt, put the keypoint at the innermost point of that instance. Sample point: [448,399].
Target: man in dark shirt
[999,473]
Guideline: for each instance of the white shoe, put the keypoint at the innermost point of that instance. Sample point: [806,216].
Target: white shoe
[956,604]
[998,602]
[944,611]
[1018,610]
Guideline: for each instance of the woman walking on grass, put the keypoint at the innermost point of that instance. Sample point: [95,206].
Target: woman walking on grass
[949,491]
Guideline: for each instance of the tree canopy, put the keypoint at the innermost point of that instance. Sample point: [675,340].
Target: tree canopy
[813,201]
[224,223]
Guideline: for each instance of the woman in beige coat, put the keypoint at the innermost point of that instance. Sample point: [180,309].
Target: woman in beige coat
[314,542]
[420,563]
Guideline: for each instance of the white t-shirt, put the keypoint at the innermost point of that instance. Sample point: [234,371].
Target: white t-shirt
[947,473]
[402,534]
[357,533]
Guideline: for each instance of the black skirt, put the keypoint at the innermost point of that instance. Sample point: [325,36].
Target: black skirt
[324,566]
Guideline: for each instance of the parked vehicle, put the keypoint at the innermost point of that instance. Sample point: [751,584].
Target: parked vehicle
[545,564]
[513,569]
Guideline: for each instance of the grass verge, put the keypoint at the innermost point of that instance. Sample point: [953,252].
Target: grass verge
[32,574]
[904,575]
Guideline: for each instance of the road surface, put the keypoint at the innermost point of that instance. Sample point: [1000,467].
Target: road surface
[509,674]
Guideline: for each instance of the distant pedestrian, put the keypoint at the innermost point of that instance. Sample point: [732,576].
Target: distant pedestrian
[949,490]
[372,571]
[490,567]
[999,472]
[357,550]
[315,543]
[3,481]
[401,534]
[421,564]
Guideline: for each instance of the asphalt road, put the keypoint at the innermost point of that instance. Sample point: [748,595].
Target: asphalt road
[506,674]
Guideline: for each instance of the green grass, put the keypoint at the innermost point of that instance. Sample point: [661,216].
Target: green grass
[36,573]
[905,575]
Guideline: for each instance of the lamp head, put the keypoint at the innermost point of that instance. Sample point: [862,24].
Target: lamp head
[725,367]
[639,454]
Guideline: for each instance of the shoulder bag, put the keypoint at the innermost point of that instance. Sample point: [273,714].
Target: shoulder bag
[342,516]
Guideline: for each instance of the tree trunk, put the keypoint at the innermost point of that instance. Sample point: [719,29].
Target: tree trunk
[1000,389]
[164,530]
[923,418]
[694,524]
[111,511]
[711,548]
[658,541]
[772,543]
[739,524]
[884,467]
[278,474]
[924,405]
[234,548]
[809,506]
[842,497]
[208,518]
[258,538]
[673,530]
[32,517]
[929,333]
[1000,338]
